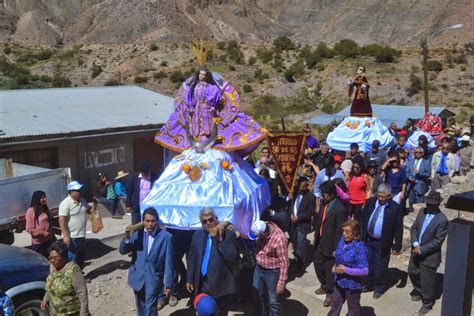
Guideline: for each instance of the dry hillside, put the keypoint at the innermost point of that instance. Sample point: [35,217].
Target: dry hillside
[273,82]
[395,22]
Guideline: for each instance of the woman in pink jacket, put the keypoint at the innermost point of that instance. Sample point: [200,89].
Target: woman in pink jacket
[38,223]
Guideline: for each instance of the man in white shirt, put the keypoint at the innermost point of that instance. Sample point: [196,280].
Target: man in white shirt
[73,213]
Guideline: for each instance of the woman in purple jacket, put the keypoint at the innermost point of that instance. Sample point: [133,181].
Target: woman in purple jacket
[351,264]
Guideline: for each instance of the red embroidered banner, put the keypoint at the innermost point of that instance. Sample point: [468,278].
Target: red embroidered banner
[287,150]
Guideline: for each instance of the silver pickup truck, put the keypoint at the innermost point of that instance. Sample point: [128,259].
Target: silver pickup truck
[17,184]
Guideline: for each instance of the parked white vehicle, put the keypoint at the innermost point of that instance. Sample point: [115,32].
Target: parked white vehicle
[17,184]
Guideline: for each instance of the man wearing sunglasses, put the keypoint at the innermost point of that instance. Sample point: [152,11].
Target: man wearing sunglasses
[212,253]
[442,167]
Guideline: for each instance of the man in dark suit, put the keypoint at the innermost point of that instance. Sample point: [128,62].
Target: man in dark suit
[382,223]
[152,262]
[139,186]
[301,208]
[333,214]
[210,260]
[428,233]
[418,174]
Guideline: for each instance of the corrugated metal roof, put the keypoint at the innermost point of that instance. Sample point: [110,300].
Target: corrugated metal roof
[71,110]
[386,113]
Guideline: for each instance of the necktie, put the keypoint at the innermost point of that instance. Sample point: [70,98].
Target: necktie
[207,253]
[325,212]
[374,219]
[417,164]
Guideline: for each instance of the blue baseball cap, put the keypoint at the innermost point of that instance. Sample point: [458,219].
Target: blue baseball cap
[206,305]
[257,229]
[74,186]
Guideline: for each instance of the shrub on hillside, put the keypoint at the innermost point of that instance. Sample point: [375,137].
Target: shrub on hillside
[415,85]
[160,75]
[39,56]
[266,56]
[95,71]
[140,79]
[324,51]
[247,88]
[294,71]
[260,75]
[111,82]
[327,108]
[252,61]
[153,47]
[346,48]
[234,52]
[45,78]
[59,81]
[177,76]
[283,43]
[312,59]
[382,54]
[7,50]
[460,58]
[434,65]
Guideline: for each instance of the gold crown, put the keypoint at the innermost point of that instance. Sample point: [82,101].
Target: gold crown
[200,52]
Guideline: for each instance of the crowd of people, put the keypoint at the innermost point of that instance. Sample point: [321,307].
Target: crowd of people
[345,217]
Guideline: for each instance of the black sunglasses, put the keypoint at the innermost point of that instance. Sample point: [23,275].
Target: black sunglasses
[208,220]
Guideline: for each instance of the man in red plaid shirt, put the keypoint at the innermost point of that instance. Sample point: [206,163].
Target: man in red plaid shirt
[271,271]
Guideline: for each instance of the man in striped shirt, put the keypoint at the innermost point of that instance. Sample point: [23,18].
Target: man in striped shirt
[271,271]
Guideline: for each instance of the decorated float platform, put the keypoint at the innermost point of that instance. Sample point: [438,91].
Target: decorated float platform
[360,130]
[218,179]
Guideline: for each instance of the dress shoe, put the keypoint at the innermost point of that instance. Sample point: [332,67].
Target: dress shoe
[416,298]
[161,304]
[117,216]
[366,289]
[377,295]
[327,301]
[425,309]
[173,301]
[320,291]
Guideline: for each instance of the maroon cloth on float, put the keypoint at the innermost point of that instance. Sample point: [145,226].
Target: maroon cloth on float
[361,104]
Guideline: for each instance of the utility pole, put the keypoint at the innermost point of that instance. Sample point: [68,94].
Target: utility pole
[424,50]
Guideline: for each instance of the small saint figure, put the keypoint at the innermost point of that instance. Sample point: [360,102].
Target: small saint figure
[361,104]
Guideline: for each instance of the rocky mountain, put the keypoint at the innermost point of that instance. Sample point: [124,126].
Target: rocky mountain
[396,22]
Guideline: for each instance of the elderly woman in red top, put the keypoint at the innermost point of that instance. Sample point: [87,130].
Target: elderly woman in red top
[357,184]
[38,223]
